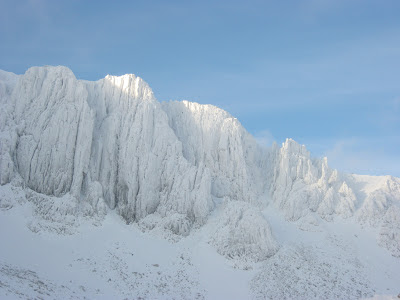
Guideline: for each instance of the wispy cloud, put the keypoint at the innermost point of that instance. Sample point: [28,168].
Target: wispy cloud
[374,156]
[264,138]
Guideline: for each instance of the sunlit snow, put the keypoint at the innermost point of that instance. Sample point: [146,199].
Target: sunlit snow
[107,193]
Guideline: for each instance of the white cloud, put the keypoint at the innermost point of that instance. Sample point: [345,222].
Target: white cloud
[370,156]
[264,138]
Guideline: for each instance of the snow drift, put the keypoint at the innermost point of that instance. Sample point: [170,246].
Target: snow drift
[111,144]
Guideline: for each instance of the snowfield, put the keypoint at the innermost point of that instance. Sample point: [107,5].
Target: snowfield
[107,193]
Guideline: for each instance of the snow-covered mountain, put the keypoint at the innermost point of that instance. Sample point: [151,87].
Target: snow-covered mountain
[74,149]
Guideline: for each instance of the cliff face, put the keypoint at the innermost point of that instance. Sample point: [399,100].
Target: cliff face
[109,136]
[112,142]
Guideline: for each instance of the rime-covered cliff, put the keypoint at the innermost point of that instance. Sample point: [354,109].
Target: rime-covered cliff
[110,144]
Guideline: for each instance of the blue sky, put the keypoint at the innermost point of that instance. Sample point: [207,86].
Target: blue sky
[323,72]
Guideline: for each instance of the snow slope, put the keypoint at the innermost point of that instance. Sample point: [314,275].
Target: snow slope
[112,260]
[75,150]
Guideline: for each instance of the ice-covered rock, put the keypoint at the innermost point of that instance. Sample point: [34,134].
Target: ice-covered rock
[54,124]
[110,144]
[100,141]
[141,156]
[301,185]
[212,137]
[243,233]
[7,135]
[389,235]
[8,81]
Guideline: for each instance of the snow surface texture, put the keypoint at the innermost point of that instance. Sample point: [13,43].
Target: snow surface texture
[74,149]
[112,260]
[301,273]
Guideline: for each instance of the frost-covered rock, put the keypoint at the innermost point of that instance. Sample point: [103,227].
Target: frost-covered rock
[110,144]
[102,142]
[8,81]
[301,184]
[7,136]
[54,125]
[389,235]
[212,137]
[243,233]
[172,227]
[106,141]
[380,193]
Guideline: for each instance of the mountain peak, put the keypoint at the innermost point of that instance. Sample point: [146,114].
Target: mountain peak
[162,165]
[132,85]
